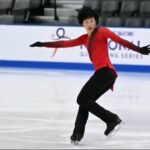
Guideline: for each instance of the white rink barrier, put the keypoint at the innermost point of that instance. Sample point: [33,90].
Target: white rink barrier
[15,50]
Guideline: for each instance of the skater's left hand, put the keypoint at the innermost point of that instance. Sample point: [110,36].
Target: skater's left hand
[145,50]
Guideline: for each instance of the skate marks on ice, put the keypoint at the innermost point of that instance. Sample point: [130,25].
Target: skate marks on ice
[38,112]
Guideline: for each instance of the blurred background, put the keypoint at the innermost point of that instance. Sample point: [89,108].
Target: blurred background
[124,13]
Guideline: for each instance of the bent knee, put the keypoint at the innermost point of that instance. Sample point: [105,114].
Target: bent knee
[81,100]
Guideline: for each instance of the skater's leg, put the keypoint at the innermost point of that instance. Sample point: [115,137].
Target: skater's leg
[112,127]
[99,83]
[80,123]
[82,117]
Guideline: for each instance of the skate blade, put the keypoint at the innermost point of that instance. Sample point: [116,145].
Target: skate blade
[116,129]
[75,142]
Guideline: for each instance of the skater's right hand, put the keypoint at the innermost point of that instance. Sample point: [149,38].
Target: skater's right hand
[37,44]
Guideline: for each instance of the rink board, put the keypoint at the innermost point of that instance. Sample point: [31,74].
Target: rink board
[15,50]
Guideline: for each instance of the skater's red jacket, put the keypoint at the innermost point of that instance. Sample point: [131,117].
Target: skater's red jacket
[98,51]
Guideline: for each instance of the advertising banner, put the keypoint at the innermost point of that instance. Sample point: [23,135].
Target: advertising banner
[15,41]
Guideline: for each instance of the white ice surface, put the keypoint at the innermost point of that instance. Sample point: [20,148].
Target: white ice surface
[38,109]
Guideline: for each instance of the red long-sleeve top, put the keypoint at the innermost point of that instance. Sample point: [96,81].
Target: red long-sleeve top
[99,50]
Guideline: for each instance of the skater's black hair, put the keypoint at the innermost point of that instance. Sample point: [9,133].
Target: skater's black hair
[85,13]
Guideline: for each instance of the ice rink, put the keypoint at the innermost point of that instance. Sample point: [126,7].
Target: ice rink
[38,110]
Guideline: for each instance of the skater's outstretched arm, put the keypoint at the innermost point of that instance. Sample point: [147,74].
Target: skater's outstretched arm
[109,34]
[59,44]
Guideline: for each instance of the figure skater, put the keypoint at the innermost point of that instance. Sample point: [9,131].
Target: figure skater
[104,76]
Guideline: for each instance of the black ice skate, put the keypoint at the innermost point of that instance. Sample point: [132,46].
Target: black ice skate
[113,127]
[76,137]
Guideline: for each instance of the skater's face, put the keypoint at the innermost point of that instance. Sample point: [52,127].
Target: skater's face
[89,24]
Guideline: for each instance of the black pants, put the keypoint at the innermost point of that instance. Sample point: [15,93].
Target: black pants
[96,86]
